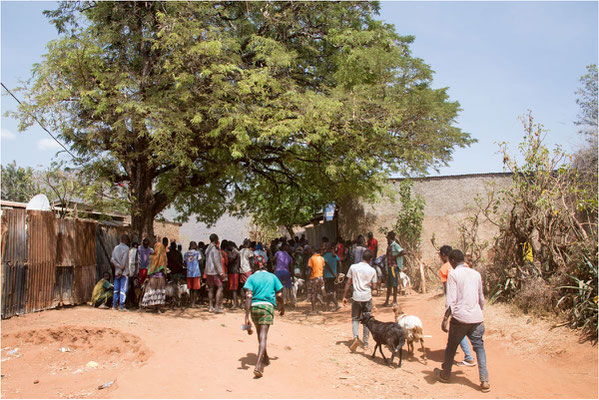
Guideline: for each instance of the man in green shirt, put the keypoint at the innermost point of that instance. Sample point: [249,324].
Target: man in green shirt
[102,293]
[394,261]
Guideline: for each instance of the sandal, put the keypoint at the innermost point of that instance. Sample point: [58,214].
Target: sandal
[257,373]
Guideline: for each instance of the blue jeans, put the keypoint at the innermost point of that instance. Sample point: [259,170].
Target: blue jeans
[121,284]
[466,349]
[458,331]
[360,309]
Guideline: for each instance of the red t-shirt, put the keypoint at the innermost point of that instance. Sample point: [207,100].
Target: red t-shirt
[340,251]
[372,245]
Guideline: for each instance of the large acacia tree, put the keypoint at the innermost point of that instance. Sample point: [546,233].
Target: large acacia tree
[273,108]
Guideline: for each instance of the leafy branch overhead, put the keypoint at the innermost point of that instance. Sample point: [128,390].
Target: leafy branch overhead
[273,108]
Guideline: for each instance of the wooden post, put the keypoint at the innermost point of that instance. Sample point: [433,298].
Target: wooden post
[422,284]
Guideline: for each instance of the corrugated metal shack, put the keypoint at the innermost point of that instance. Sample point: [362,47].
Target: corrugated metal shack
[48,262]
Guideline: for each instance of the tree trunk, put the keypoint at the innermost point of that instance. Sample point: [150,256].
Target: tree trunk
[290,231]
[143,208]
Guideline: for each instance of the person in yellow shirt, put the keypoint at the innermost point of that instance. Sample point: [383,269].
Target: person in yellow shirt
[316,283]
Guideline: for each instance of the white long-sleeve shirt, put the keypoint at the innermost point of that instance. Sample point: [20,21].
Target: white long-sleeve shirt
[465,295]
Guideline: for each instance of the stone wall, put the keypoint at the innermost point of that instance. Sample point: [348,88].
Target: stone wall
[449,200]
[168,229]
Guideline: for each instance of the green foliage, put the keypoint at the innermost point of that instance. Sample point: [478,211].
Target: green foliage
[542,211]
[580,298]
[587,101]
[18,183]
[408,226]
[269,108]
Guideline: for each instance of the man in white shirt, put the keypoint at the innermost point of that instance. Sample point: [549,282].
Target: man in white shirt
[120,262]
[363,278]
[464,304]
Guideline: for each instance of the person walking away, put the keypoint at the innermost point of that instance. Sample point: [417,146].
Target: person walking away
[155,293]
[394,261]
[263,294]
[331,261]
[316,267]
[373,245]
[144,253]
[102,293]
[464,315]
[214,275]
[444,271]
[363,278]
[192,263]
[233,272]
[119,260]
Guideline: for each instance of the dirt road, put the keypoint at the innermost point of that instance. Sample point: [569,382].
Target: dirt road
[192,354]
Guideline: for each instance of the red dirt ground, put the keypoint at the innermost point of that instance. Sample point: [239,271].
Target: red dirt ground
[195,354]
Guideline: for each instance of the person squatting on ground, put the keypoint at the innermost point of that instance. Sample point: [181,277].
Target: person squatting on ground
[316,266]
[394,261]
[119,261]
[155,291]
[331,261]
[102,293]
[192,263]
[444,271]
[263,294]
[214,275]
[363,278]
[464,304]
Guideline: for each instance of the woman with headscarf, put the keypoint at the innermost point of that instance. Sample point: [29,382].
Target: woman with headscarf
[155,293]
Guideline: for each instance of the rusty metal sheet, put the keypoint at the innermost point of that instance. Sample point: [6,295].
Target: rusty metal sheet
[41,274]
[85,275]
[65,242]
[63,286]
[14,258]
[107,238]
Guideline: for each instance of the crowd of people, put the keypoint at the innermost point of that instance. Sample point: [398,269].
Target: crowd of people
[260,278]
[218,270]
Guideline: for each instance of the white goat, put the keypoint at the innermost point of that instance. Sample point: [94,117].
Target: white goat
[412,327]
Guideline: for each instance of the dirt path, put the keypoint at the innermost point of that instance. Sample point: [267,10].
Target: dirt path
[192,354]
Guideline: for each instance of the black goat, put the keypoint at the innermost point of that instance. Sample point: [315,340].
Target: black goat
[388,333]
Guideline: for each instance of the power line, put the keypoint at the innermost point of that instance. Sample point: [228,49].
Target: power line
[40,124]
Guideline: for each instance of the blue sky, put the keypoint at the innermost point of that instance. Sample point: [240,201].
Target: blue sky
[499,60]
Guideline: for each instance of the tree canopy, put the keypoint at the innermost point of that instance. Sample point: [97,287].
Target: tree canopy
[269,108]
